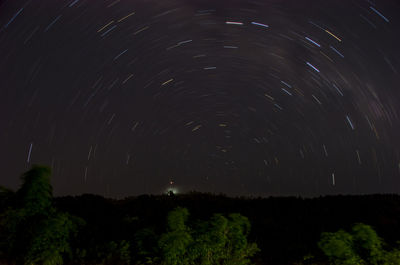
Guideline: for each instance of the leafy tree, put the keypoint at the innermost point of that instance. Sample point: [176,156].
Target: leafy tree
[33,231]
[238,249]
[367,244]
[223,241]
[36,194]
[217,241]
[361,246]
[338,247]
[50,240]
[210,240]
[174,243]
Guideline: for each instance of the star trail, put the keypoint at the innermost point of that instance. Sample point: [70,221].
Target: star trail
[241,97]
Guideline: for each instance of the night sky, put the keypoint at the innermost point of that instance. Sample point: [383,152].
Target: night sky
[124,97]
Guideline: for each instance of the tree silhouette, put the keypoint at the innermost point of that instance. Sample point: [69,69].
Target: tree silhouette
[146,246]
[361,246]
[34,231]
[36,194]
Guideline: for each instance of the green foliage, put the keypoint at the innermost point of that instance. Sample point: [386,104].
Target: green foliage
[219,240]
[174,243]
[146,245]
[338,247]
[35,194]
[392,257]
[361,246]
[210,240]
[37,233]
[367,244]
[223,241]
[177,218]
[51,240]
[238,250]
[33,231]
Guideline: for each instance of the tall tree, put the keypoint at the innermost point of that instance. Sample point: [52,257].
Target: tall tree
[36,194]
[35,232]
[174,243]
[210,240]
[238,249]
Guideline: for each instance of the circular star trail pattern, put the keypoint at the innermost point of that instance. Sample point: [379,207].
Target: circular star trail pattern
[241,97]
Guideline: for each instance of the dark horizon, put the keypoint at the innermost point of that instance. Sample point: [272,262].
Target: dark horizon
[239,97]
[196,228]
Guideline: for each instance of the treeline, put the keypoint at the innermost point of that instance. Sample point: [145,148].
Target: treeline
[34,231]
[193,228]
